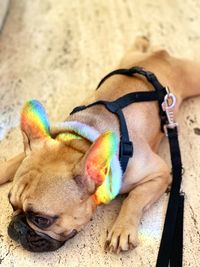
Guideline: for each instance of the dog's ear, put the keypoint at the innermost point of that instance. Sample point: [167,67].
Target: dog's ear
[98,160]
[34,124]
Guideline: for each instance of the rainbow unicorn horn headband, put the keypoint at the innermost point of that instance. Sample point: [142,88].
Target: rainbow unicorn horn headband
[102,163]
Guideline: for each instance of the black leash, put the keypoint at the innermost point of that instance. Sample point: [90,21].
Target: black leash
[171,246]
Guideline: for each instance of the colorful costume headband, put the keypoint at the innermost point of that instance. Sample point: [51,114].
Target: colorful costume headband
[34,121]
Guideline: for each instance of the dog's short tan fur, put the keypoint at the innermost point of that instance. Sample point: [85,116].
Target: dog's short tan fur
[44,177]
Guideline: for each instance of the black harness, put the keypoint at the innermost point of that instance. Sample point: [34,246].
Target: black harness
[171,246]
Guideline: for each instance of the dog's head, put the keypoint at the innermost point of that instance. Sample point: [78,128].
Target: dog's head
[52,192]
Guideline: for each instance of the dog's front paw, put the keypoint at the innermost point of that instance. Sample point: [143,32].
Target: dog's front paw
[121,238]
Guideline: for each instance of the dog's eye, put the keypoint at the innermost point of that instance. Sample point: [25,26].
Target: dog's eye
[40,221]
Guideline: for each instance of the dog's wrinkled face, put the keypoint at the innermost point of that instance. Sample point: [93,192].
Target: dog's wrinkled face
[49,197]
[52,192]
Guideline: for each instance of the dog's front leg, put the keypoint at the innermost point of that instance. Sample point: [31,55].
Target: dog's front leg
[124,233]
[8,168]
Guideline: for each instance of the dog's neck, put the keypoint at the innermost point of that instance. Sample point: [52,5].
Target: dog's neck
[97,117]
[74,131]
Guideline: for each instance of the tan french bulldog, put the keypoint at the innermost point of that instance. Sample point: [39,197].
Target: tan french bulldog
[52,192]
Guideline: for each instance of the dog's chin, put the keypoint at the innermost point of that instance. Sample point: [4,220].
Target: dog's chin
[20,231]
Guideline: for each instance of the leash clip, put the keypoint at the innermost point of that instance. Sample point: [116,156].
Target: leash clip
[168,106]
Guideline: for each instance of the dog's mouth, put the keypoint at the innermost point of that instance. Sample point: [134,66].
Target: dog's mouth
[31,240]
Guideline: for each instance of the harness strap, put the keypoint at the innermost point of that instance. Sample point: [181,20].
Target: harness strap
[151,78]
[126,146]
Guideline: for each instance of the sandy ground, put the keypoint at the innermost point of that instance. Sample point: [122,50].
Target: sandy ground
[56,52]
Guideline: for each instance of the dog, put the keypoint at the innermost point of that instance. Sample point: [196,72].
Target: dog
[52,191]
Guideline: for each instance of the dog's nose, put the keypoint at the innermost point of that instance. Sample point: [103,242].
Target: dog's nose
[21,232]
[17,227]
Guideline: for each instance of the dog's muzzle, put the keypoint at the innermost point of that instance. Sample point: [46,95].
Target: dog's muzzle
[20,231]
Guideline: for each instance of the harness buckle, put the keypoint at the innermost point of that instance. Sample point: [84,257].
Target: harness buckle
[168,106]
[126,149]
